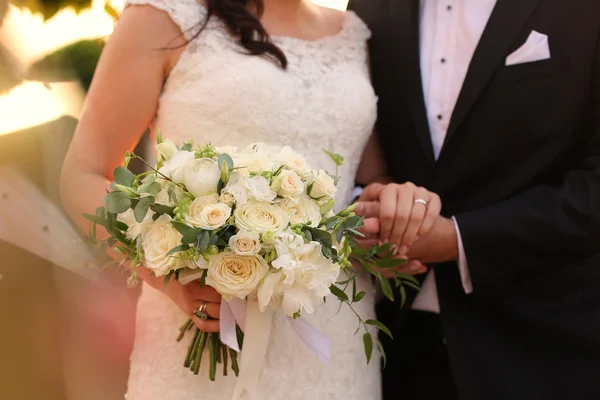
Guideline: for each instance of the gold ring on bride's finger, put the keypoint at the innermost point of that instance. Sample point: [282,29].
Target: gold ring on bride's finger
[201,311]
[421,201]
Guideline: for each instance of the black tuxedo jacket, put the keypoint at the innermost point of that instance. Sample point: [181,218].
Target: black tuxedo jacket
[520,170]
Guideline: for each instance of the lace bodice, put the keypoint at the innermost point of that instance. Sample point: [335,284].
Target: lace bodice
[218,94]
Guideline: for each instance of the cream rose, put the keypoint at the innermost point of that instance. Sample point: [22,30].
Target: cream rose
[245,243]
[201,176]
[258,217]
[194,213]
[157,242]
[323,185]
[235,276]
[288,183]
[302,210]
[294,160]
[213,216]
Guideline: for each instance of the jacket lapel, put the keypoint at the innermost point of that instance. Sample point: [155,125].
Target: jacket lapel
[406,21]
[503,29]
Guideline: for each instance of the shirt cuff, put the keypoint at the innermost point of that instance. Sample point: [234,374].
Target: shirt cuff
[463,267]
[355,194]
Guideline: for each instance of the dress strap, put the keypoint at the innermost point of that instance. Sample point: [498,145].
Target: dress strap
[189,15]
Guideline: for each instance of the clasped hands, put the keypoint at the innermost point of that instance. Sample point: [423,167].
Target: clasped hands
[408,217]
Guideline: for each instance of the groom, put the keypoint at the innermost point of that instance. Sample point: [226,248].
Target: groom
[495,106]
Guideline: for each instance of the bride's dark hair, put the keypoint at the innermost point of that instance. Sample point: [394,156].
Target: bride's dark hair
[245,25]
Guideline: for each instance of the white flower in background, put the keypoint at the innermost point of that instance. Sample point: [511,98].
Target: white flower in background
[163,196]
[245,243]
[293,160]
[172,167]
[288,184]
[323,185]
[201,176]
[161,238]
[194,213]
[134,228]
[235,276]
[254,158]
[302,210]
[254,216]
[167,149]
[213,216]
[256,187]
[226,150]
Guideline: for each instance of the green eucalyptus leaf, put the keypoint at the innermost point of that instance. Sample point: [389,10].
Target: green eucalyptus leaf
[339,293]
[117,202]
[368,344]
[161,209]
[123,176]
[96,219]
[380,326]
[182,228]
[154,188]
[203,241]
[178,249]
[141,208]
[225,158]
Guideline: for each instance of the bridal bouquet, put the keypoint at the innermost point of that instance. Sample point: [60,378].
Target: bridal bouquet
[256,224]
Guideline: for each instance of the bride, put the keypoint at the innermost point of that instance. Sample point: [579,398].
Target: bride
[233,72]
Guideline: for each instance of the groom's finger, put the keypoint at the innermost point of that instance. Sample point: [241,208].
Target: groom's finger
[367,209]
[371,228]
[371,192]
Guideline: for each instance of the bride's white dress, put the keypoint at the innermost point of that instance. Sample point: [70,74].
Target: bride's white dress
[217,94]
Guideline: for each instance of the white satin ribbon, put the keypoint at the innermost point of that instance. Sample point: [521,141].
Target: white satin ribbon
[318,343]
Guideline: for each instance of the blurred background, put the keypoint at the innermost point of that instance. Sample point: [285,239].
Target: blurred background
[61,337]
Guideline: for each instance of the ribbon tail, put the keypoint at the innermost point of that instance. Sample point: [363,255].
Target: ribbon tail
[317,342]
[256,341]
[227,329]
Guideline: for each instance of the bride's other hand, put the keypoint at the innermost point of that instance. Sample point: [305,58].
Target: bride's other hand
[189,298]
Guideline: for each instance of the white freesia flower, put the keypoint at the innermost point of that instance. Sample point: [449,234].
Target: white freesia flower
[293,160]
[134,228]
[235,276]
[255,216]
[213,216]
[201,176]
[194,213]
[245,243]
[172,167]
[255,187]
[161,238]
[323,185]
[167,149]
[302,210]
[288,184]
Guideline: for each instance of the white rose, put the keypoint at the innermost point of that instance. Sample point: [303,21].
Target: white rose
[167,149]
[134,228]
[258,217]
[201,176]
[302,210]
[235,276]
[253,159]
[226,150]
[288,183]
[172,167]
[245,243]
[213,216]
[193,216]
[256,187]
[323,185]
[293,160]
[161,238]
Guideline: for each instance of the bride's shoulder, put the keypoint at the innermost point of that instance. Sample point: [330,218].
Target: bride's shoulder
[347,23]
[186,14]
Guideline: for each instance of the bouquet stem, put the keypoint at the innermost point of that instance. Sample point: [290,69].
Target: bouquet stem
[219,353]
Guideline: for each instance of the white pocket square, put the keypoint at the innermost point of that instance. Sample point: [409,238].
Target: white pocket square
[536,48]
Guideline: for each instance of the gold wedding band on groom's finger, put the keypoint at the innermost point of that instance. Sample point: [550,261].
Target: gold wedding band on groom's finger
[201,311]
[421,201]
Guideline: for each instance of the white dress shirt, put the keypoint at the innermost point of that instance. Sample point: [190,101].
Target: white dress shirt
[449,32]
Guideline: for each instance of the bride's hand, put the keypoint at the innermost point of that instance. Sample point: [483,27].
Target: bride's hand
[189,298]
[406,212]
